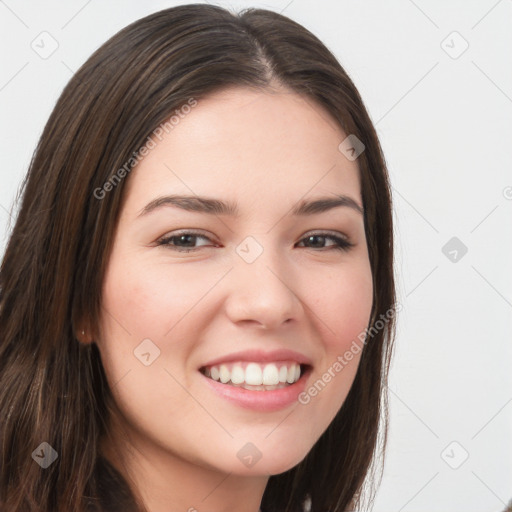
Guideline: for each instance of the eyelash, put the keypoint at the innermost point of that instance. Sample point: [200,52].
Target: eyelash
[341,243]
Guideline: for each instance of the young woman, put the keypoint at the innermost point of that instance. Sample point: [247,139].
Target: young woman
[197,298]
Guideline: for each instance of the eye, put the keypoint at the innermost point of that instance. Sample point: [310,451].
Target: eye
[339,243]
[184,241]
[185,237]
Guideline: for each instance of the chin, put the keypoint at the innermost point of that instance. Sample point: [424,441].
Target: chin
[271,464]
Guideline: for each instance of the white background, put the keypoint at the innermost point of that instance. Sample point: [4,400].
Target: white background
[445,124]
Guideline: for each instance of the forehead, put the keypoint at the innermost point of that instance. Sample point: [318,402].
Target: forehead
[254,145]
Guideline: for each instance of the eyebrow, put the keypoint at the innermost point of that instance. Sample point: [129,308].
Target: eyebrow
[217,207]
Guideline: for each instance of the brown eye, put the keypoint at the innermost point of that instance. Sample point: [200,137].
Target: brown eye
[339,242]
[187,238]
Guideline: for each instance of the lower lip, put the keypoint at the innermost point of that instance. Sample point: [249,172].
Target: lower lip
[268,401]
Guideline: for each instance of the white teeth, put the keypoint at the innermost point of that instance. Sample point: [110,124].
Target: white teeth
[237,374]
[224,374]
[255,375]
[270,375]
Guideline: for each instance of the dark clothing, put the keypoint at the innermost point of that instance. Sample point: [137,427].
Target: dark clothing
[114,493]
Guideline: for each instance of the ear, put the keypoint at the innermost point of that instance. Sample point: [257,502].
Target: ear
[81,326]
[83,336]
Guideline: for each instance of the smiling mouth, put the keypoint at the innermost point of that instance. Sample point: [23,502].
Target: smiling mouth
[256,376]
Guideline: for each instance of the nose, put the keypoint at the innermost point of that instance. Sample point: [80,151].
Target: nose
[263,292]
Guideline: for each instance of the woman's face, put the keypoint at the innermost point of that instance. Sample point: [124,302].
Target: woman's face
[259,291]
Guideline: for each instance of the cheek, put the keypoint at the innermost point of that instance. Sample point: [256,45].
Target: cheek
[151,302]
[140,305]
[148,300]
[344,305]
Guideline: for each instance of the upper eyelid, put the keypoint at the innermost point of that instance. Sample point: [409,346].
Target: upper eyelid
[173,234]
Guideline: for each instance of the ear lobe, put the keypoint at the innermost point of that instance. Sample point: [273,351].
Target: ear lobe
[83,337]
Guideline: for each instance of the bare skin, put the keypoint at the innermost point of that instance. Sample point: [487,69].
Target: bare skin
[266,151]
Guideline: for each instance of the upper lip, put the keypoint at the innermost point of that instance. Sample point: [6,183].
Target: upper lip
[261,356]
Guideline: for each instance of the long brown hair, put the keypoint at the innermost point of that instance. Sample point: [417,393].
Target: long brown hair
[52,387]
